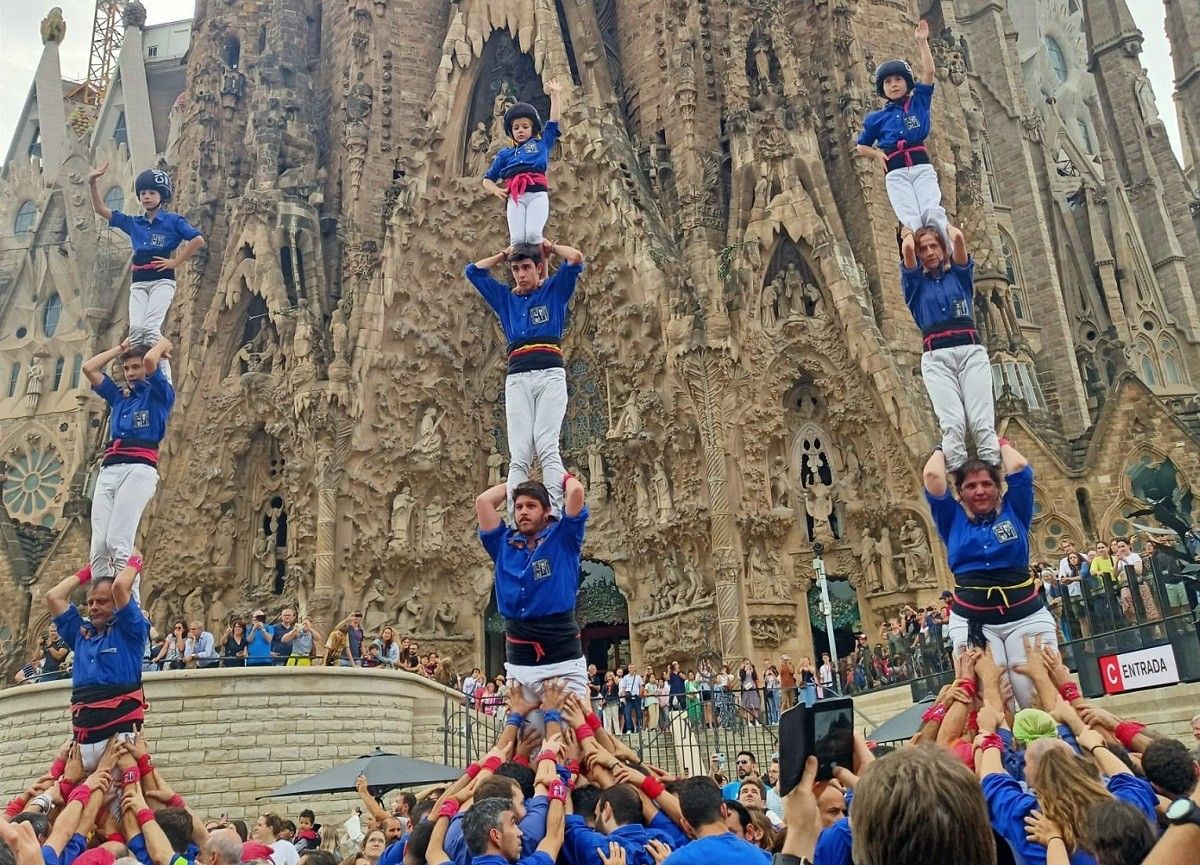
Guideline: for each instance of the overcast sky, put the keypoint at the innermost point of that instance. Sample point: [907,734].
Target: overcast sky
[20,50]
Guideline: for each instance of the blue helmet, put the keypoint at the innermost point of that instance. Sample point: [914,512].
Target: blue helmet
[893,67]
[522,110]
[155,180]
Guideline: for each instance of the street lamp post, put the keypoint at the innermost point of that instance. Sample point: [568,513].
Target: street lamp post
[827,610]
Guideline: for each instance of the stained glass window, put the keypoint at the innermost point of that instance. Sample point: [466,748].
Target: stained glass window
[34,478]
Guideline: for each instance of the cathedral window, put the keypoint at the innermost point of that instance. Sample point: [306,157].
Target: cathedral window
[51,314]
[1058,60]
[59,365]
[1144,361]
[33,480]
[76,370]
[14,376]
[1172,369]
[120,132]
[1085,136]
[26,214]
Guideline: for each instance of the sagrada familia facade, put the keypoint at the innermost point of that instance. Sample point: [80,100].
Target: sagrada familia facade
[742,368]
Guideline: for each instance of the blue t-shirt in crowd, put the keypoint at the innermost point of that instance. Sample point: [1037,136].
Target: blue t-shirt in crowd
[533,584]
[833,845]
[948,298]
[908,118]
[581,843]
[726,848]
[998,542]
[533,155]
[144,412]
[258,645]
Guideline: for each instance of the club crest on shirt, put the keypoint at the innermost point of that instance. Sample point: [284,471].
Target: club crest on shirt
[158,240]
[141,419]
[541,569]
[539,314]
[530,146]
[961,309]
[1005,531]
[911,121]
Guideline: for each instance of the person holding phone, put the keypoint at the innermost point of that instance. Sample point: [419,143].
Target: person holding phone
[258,641]
[996,603]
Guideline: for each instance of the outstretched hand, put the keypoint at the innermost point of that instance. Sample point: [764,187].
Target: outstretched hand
[97,172]
[921,32]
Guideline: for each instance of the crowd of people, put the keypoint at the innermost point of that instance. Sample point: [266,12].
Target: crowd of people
[1066,782]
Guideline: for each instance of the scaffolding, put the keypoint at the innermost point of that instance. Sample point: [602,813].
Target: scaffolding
[107,33]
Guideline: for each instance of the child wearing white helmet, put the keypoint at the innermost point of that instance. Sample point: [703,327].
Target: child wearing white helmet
[895,135]
[518,173]
[162,241]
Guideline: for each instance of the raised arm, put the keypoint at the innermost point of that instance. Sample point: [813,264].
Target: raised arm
[97,202]
[370,802]
[123,585]
[492,260]
[958,247]
[572,497]
[58,598]
[934,473]
[486,504]
[927,67]
[93,368]
[569,254]
[555,90]
[1010,458]
[157,352]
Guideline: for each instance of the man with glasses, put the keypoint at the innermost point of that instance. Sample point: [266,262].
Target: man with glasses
[746,764]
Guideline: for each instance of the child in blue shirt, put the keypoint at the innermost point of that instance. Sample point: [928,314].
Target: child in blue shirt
[162,241]
[895,135]
[518,173]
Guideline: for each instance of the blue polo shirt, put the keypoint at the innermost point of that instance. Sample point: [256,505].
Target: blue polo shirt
[533,155]
[907,119]
[113,657]
[533,830]
[833,844]
[537,317]
[153,238]
[258,646]
[941,299]
[669,829]
[999,541]
[1009,805]
[542,582]
[537,857]
[727,849]
[580,844]
[143,412]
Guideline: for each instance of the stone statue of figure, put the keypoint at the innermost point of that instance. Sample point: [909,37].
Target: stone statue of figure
[429,437]
[435,525]
[781,485]
[629,425]
[408,615]
[868,557]
[818,501]
[887,568]
[811,297]
[916,546]
[770,301]
[302,341]
[642,490]
[499,106]
[662,493]
[495,464]
[795,292]
[402,508]
[481,140]
[597,483]
[34,377]
[1144,93]
[762,63]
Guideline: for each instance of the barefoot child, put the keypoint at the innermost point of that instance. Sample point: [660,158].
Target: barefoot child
[895,135]
[521,169]
[162,241]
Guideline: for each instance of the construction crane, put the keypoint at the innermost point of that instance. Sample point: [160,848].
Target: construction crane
[107,33]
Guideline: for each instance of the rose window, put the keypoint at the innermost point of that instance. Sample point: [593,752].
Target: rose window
[33,480]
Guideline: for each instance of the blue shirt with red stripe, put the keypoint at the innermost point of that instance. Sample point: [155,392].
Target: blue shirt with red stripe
[153,238]
[532,155]
[143,412]
[531,319]
[539,582]
[935,299]
[908,119]
[999,541]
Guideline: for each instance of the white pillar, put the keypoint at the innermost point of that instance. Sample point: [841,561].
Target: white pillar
[135,94]
[51,112]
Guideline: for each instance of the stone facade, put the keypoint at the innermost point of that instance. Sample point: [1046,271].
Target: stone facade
[742,366]
[242,733]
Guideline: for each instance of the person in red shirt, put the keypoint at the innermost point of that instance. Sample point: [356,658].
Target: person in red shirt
[787,681]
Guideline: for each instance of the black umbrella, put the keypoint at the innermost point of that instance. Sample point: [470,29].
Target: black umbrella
[384,771]
[903,726]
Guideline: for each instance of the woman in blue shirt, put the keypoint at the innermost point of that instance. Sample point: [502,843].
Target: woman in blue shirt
[996,602]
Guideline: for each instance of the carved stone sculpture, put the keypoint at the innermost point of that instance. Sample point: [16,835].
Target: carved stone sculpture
[662,493]
[887,568]
[919,557]
[781,484]
[402,511]
[868,562]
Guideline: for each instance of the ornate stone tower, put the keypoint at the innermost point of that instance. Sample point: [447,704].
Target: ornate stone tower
[1183,29]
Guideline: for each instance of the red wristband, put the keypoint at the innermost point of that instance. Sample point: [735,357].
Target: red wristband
[973,721]
[1004,441]
[566,477]
[521,760]
[652,787]
[593,721]
[1126,731]
[992,740]
[492,764]
[1069,691]
[449,808]
[473,770]
[584,731]
[967,685]
[135,562]
[58,767]
[934,713]
[65,787]
[176,801]
[557,790]
[116,838]
[144,816]
[145,764]
[547,754]
[131,776]
[15,806]
[573,766]
[84,575]
[80,794]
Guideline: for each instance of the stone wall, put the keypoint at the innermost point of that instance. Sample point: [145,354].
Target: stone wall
[224,737]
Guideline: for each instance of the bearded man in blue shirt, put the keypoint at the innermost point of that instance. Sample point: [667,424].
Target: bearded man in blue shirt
[537,579]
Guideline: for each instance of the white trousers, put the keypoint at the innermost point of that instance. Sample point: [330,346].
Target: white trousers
[1007,643]
[122,493]
[535,403]
[959,383]
[148,306]
[533,682]
[527,217]
[916,198]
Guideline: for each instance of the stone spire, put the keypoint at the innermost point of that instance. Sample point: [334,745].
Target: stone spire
[1109,26]
[1183,29]
[52,113]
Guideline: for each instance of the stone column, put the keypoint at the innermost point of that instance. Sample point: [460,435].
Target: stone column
[51,113]
[330,468]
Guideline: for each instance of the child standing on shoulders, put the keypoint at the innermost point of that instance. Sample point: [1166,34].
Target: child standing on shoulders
[895,135]
[518,173]
[162,241]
